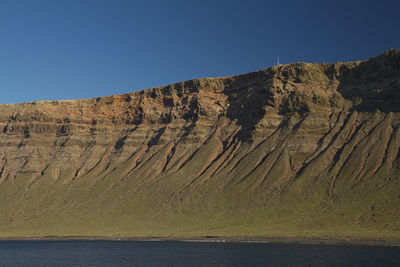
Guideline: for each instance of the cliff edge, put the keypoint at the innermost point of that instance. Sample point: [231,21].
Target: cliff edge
[304,149]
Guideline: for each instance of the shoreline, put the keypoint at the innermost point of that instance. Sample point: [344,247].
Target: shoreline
[219,239]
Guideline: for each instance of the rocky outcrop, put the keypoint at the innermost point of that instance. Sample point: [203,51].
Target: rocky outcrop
[289,147]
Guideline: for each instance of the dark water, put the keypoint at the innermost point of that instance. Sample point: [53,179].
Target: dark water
[166,253]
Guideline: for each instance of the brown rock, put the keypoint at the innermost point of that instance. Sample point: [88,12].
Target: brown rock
[288,132]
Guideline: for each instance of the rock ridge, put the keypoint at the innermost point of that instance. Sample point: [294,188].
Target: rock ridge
[323,139]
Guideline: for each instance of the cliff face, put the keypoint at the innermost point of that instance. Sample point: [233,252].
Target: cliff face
[299,149]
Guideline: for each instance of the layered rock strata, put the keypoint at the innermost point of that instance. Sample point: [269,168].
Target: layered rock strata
[293,146]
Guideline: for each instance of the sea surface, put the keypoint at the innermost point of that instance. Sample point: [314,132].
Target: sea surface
[177,253]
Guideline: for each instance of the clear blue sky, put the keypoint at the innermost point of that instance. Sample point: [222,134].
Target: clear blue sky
[69,49]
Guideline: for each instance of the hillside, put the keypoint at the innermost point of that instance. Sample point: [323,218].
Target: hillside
[297,150]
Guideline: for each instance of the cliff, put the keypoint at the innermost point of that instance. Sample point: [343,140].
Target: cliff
[294,150]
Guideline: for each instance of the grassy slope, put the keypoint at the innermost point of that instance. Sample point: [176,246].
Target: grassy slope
[78,209]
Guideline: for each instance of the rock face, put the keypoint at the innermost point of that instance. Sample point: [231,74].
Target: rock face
[294,150]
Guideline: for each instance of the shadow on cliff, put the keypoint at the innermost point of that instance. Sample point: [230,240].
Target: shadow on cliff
[247,96]
[373,84]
